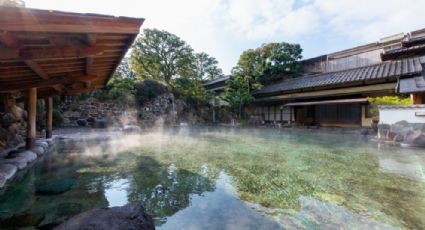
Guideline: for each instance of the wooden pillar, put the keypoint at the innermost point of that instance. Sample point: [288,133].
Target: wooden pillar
[416,98]
[49,116]
[32,107]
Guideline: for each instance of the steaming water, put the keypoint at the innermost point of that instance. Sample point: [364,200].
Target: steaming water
[216,178]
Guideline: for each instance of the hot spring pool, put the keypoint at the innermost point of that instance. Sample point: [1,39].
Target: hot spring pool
[219,178]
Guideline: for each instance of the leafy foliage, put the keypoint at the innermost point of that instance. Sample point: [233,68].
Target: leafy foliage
[192,91]
[237,93]
[389,100]
[205,67]
[57,117]
[148,89]
[270,62]
[160,55]
[260,66]
[386,100]
[120,87]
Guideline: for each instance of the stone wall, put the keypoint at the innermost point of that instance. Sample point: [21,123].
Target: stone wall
[164,109]
[91,111]
[12,127]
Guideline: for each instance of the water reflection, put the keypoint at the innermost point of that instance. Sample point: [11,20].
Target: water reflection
[116,192]
[213,178]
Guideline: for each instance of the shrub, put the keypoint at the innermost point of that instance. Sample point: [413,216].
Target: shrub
[57,117]
[148,89]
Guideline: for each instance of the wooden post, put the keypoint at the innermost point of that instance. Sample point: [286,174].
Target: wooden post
[32,110]
[49,117]
[416,98]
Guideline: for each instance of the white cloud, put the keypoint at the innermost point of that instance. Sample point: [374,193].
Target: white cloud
[224,28]
[368,21]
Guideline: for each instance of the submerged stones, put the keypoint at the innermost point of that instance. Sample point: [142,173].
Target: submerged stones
[54,187]
[130,216]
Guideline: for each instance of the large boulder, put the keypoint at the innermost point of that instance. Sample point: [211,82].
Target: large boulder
[43,144]
[19,162]
[39,150]
[100,123]
[28,155]
[416,139]
[130,216]
[7,170]
[82,122]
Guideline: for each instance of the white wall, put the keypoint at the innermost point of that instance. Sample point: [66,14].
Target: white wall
[409,113]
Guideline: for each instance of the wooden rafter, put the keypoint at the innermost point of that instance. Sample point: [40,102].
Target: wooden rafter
[37,69]
[46,83]
[57,51]
[8,39]
[50,53]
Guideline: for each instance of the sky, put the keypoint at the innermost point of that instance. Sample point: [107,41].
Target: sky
[225,28]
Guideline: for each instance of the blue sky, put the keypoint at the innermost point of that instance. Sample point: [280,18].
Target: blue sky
[225,28]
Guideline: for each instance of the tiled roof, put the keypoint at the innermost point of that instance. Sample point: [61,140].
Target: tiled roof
[220,79]
[412,85]
[403,52]
[382,71]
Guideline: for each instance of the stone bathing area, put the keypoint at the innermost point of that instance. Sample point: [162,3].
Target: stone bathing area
[16,160]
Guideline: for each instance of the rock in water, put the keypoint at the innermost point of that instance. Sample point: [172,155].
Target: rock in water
[7,170]
[2,181]
[130,216]
[54,187]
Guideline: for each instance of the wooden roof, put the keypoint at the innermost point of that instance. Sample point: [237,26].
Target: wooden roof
[60,52]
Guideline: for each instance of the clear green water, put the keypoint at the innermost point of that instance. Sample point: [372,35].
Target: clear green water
[217,178]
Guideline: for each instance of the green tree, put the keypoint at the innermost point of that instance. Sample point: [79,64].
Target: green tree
[270,62]
[121,86]
[238,93]
[160,55]
[192,90]
[205,67]
[280,60]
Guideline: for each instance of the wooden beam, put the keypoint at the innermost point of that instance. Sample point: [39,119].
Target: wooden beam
[416,98]
[58,88]
[37,69]
[32,111]
[49,116]
[91,39]
[70,79]
[69,28]
[89,65]
[50,53]
[8,39]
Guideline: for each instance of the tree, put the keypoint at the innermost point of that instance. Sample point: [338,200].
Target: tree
[238,93]
[160,55]
[205,67]
[192,90]
[270,62]
[280,60]
[121,86]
